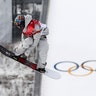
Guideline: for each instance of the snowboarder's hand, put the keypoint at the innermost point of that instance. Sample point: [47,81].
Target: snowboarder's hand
[27,52]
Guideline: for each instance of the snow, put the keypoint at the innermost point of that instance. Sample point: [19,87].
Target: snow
[15,78]
[72,25]
[5,20]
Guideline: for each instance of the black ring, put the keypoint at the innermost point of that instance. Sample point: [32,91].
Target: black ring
[82,65]
[55,66]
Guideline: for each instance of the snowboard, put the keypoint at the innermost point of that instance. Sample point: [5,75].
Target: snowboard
[50,73]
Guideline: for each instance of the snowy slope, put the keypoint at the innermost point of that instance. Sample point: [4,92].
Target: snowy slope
[15,78]
[72,25]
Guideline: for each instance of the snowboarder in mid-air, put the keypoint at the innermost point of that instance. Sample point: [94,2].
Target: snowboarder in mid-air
[33,43]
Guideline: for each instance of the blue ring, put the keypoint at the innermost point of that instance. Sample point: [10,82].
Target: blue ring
[55,66]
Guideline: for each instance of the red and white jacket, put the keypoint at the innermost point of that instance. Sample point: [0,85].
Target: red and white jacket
[32,28]
[35,29]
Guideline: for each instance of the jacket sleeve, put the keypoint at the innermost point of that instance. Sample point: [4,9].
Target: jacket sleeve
[36,38]
[45,30]
[34,45]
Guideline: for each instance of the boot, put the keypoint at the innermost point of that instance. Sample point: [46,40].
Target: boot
[41,70]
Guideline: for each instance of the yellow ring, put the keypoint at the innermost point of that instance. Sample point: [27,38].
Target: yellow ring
[90,71]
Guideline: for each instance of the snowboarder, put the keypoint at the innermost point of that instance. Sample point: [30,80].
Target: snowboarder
[33,40]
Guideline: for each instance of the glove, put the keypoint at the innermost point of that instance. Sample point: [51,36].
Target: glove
[27,52]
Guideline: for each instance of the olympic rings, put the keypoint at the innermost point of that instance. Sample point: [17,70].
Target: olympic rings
[55,66]
[73,68]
